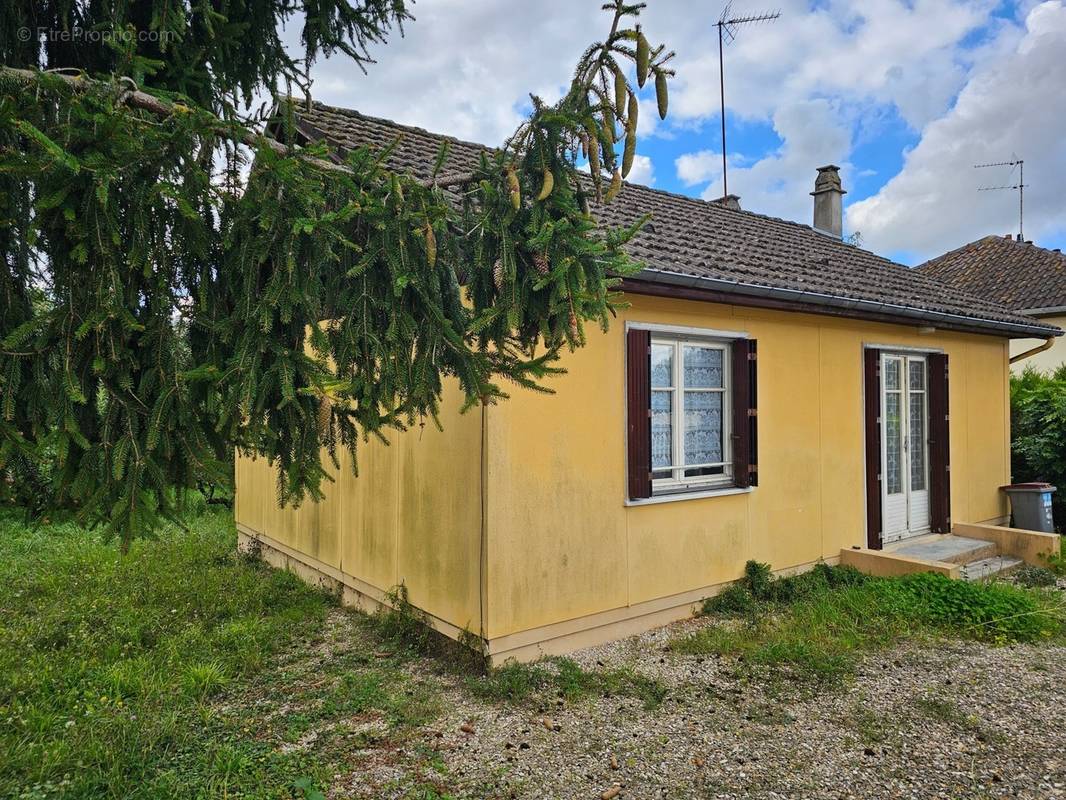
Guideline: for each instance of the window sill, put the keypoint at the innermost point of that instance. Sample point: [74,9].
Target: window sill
[698,495]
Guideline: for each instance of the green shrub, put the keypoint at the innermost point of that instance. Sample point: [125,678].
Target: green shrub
[758,585]
[734,599]
[758,579]
[1038,432]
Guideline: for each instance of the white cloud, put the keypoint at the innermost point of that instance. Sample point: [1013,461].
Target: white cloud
[825,77]
[466,67]
[1013,103]
[642,172]
[813,133]
[828,76]
[698,167]
[647,117]
[886,51]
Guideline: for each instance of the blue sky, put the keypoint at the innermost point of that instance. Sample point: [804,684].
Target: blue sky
[905,95]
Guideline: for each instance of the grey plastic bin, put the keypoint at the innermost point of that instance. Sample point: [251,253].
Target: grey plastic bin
[1031,505]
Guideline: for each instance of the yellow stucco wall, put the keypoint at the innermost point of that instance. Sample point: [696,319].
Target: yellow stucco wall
[413,515]
[1047,361]
[561,542]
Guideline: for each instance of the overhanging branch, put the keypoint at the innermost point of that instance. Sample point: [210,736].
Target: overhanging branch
[135,98]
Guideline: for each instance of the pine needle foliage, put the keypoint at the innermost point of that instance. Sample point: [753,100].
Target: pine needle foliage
[160,307]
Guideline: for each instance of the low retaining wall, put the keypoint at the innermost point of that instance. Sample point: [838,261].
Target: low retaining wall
[886,564]
[1032,547]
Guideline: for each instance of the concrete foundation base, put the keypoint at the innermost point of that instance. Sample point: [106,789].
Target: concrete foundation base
[529,645]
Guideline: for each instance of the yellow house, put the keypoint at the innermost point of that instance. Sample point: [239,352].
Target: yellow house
[770,393]
[1019,275]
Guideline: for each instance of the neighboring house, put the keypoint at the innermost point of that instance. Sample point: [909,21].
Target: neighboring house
[1018,275]
[669,455]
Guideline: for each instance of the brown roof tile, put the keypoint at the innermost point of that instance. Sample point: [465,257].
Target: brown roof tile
[696,242]
[1018,275]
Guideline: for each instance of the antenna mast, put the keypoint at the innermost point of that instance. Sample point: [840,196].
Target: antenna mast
[727,25]
[1020,186]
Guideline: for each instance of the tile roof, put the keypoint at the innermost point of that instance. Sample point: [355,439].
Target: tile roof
[1018,275]
[698,243]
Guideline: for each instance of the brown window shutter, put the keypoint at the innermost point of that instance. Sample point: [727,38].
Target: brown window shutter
[872,400]
[745,415]
[939,453]
[638,412]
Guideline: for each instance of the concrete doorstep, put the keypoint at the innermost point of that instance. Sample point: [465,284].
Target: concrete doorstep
[973,551]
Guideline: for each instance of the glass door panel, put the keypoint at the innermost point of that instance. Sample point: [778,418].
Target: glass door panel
[904,452]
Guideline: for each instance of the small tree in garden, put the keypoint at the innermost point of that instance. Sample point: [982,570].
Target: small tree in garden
[162,304]
[1038,432]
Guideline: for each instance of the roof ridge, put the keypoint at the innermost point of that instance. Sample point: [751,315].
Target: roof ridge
[993,239]
[351,112]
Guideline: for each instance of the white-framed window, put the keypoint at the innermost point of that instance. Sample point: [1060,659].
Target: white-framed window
[691,413]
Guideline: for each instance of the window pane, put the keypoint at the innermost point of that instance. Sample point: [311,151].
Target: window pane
[702,471]
[662,365]
[917,373]
[892,373]
[703,427]
[917,441]
[703,368]
[893,444]
[661,430]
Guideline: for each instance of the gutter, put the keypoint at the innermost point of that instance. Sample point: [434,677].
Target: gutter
[1019,329]
[1040,348]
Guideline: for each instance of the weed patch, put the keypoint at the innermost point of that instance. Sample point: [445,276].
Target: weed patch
[403,628]
[816,625]
[1056,562]
[1034,577]
[565,678]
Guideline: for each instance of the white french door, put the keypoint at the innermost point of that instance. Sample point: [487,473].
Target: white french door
[904,446]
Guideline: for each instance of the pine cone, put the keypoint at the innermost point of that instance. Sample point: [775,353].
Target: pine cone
[540,263]
[573,326]
[497,274]
[325,415]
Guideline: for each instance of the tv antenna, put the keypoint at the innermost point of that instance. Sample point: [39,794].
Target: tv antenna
[727,25]
[1020,186]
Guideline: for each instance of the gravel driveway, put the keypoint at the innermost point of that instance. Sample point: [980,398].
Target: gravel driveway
[946,720]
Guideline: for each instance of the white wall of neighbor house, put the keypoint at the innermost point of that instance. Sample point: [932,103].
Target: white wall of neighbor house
[1047,361]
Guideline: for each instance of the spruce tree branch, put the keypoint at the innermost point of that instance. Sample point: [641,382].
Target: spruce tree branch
[135,98]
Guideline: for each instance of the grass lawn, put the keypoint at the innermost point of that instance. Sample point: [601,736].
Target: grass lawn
[185,670]
[109,664]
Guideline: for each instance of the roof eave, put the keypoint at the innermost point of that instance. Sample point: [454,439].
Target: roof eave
[851,306]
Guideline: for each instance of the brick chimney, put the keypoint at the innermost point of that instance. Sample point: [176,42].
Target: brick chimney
[828,201]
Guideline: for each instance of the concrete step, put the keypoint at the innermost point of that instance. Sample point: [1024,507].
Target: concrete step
[947,548]
[987,567]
